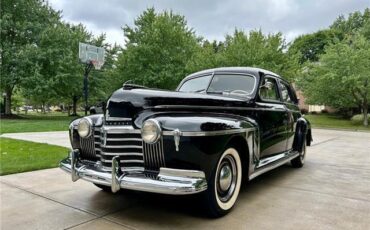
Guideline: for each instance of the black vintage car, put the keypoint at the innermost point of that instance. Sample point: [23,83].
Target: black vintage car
[220,126]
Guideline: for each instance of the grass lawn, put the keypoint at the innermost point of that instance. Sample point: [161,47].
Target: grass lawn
[36,123]
[22,156]
[335,121]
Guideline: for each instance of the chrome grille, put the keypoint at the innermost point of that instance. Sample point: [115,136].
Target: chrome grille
[88,148]
[123,141]
[153,155]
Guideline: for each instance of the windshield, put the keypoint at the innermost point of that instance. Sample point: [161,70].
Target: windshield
[197,84]
[232,83]
[221,84]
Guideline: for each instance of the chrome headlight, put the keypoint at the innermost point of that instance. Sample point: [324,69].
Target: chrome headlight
[84,127]
[151,131]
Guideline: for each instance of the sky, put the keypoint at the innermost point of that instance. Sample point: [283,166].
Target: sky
[211,19]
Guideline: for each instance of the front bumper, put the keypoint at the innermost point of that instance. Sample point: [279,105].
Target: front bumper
[168,181]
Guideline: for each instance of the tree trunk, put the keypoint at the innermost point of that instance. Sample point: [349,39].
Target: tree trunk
[8,101]
[43,108]
[366,110]
[74,110]
[366,103]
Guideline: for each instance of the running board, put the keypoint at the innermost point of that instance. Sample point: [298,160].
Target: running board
[272,163]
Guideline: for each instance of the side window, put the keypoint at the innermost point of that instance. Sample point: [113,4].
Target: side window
[269,90]
[286,93]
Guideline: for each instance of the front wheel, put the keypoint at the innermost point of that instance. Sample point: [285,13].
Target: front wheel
[224,184]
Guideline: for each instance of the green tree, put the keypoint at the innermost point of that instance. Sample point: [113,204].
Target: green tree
[258,50]
[341,78]
[352,24]
[158,47]
[206,56]
[22,22]
[309,47]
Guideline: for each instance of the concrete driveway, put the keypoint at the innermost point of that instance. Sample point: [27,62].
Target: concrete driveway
[332,191]
[59,138]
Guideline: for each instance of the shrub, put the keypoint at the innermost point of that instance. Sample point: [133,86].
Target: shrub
[359,117]
[324,111]
[304,111]
[313,112]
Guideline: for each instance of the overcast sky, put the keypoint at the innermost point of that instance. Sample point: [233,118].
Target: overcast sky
[211,19]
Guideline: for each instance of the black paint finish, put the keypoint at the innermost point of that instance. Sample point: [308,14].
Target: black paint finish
[276,122]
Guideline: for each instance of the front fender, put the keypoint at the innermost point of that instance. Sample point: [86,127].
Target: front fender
[202,138]
[97,120]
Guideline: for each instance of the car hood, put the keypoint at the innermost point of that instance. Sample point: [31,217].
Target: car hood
[128,102]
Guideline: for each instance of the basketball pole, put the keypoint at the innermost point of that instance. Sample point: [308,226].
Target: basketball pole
[88,68]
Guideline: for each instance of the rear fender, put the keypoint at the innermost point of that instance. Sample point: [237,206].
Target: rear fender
[302,134]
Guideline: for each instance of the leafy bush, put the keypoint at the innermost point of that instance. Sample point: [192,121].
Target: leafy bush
[304,111]
[359,117]
[313,112]
[324,111]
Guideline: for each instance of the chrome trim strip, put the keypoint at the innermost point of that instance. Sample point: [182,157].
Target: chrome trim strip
[123,147]
[214,107]
[124,139]
[273,165]
[123,161]
[118,119]
[122,154]
[168,181]
[120,129]
[208,133]
[118,139]
[125,169]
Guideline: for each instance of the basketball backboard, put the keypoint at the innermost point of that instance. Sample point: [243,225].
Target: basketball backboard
[91,54]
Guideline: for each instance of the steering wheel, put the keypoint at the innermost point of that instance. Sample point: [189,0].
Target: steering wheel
[239,91]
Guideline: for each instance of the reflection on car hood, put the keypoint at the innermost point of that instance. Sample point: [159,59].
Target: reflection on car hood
[127,103]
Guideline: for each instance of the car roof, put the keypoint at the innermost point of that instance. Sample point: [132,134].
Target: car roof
[251,70]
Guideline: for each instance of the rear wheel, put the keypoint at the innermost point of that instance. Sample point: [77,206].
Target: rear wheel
[298,162]
[224,185]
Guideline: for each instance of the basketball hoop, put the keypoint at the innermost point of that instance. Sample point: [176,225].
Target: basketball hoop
[90,54]
[97,64]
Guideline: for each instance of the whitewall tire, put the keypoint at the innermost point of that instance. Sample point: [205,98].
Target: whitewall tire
[224,185]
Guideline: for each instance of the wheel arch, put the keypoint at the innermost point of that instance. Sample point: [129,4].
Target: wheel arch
[239,142]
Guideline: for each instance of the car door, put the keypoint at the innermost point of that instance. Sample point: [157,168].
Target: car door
[272,118]
[291,104]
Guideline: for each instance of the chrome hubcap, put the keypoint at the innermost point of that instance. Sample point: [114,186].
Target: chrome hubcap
[225,178]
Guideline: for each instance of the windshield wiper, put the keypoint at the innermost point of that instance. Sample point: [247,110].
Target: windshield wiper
[217,92]
[199,90]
